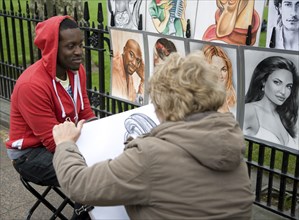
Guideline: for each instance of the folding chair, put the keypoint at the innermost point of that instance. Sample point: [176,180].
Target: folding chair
[41,198]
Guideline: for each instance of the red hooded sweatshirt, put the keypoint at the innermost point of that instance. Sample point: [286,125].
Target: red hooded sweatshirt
[39,101]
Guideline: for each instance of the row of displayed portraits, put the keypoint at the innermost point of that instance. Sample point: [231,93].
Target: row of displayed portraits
[261,83]
[233,22]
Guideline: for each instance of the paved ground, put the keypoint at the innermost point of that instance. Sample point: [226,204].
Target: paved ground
[15,200]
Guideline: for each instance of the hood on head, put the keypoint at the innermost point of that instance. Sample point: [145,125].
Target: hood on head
[46,39]
[215,141]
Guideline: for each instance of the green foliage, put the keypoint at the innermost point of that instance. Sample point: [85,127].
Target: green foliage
[263,35]
[93,9]
[278,158]
[11,47]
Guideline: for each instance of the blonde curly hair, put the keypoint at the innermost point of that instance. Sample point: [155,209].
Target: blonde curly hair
[182,86]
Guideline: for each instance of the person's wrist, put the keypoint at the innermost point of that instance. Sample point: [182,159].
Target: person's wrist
[60,142]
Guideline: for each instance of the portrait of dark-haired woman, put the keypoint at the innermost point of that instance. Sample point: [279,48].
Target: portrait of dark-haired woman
[271,102]
[162,49]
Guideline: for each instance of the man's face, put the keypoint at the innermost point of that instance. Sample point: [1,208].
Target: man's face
[70,49]
[289,10]
[132,57]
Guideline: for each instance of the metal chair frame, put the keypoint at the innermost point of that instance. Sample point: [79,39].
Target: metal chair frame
[41,198]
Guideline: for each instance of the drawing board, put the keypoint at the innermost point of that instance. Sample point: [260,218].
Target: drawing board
[103,139]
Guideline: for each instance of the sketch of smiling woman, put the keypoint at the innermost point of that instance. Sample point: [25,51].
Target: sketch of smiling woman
[271,106]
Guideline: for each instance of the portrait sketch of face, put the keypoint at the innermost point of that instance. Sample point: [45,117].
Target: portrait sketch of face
[160,48]
[232,21]
[225,60]
[271,97]
[127,14]
[128,67]
[283,24]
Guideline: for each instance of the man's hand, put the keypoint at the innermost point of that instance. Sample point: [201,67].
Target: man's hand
[140,71]
[67,131]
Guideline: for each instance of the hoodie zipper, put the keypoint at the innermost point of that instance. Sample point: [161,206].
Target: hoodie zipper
[73,101]
[75,106]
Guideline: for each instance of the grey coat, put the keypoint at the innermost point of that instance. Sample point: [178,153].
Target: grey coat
[192,169]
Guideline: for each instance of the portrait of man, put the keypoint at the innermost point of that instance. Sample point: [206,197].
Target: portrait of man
[284,24]
[128,66]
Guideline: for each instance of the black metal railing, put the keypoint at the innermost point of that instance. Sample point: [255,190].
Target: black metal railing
[275,175]
[17,52]
[274,172]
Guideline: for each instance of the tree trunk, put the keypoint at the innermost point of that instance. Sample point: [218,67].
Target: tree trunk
[60,7]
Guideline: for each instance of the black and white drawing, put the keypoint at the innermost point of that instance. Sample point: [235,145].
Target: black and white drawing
[283,24]
[138,124]
[271,96]
[125,14]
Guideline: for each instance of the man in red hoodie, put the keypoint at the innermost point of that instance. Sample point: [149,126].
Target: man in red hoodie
[47,93]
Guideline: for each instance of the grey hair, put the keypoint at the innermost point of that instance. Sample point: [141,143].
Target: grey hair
[183,86]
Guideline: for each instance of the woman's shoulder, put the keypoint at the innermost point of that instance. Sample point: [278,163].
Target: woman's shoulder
[250,108]
[251,123]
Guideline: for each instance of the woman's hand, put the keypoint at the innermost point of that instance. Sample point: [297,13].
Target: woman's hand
[67,131]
